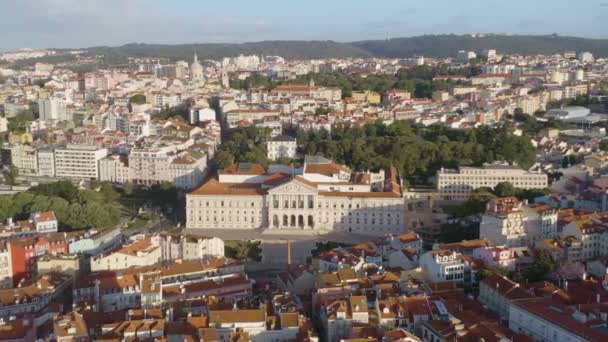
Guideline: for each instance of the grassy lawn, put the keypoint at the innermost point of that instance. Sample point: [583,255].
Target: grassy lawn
[142,220]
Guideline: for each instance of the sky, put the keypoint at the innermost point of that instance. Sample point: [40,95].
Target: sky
[84,23]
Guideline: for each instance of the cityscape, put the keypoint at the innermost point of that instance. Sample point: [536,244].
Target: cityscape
[412,187]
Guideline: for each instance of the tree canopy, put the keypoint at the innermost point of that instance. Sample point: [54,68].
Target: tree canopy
[73,207]
[417,151]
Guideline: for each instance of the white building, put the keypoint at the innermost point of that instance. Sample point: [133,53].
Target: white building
[549,320]
[78,161]
[24,158]
[189,247]
[442,265]
[46,162]
[459,184]
[585,57]
[137,254]
[6,267]
[504,223]
[52,109]
[282,146]
[325,197]
[45,222]
[114,168]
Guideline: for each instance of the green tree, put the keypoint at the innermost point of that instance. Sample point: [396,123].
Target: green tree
[128,188]
[505,189]
[604,145]
[223,159]
[490,271]
[543,265]
[10,176]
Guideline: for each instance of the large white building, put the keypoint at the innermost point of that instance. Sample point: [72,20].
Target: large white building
[326,196]
[78,161]
[282,146]
[459,184]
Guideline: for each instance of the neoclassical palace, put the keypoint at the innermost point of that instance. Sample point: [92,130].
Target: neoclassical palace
[321,195]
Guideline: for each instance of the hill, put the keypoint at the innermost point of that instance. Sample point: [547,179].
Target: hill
[427,45]
[286,49]
[448,45]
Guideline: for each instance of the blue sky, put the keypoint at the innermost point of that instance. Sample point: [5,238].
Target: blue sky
[81,23]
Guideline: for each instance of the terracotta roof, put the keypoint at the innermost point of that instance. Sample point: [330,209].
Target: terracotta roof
[244,169]
[214,187]
[45,216]
[236,316]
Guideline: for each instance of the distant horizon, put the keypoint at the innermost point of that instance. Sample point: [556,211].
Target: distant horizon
[301,40]
[87,23]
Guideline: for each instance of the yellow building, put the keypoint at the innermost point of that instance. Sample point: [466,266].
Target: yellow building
[20,138]
[367,96]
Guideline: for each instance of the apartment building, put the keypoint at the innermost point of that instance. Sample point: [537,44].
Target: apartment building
[189,247]
[114,168]
[549,320]
[443,265]
[20,302]
[46,162]
[458,184]
[504,223]
[78,161]
[6,267]
[137,254]
[24,158]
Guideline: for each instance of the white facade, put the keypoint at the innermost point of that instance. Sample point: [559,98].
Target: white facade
[442,265]
[78,161]
[188,247]
[137,254]
[52,109]
[252,199]
[24,158]
[281,147]
[46,162]
[6,269]
[459,184]
[547,324]
[113,169]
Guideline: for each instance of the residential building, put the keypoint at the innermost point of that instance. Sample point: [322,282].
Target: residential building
[136,254]
[189,247]
[550,320]
[499,293]
[6,267]
[504,223]
[44,222]
[71,328]
[20,302]
[78,161]
[443,265]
